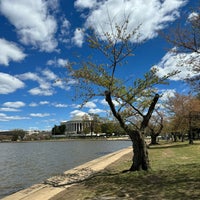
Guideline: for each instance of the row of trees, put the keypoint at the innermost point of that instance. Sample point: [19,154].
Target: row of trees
[179,117]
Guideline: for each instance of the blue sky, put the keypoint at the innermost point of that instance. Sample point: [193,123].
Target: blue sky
[38,38]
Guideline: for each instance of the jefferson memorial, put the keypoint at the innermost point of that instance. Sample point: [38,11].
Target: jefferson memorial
[77,124]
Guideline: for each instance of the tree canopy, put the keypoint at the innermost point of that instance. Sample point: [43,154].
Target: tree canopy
[134,97]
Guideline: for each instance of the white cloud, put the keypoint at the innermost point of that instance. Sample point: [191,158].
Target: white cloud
[64,30]
[77,113]
[82,4]
[44,102]
[9,109]
[9,51]
[62,62]
[41,92]
[29,76]
[4,117]
[96,110]
[150,15]
[78,37]
[89,104]
[193,16]
[71,81]
[105,103]
[58,62]
[39,114]
[165,94]
[178,62]
[44,81]
[59,105]
[47,80]
[15,104]
[62,84]
[9,83]
[33,104]
[34,25]
[49,74]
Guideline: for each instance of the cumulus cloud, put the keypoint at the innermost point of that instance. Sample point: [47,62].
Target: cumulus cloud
[41,92]
[77,113]
[5,118]
[59,105]
[82,4]
[78,37]
[49,74]
[33,23]
[165,94]
[184,63]
[96,111]
[33,104]
[193,16]
[105,103]
[64,30]
[12,106]
[47,80]
[151,16]
[39,114]
[44,102]
[58,62]
[9,51]
[89,104]
[9,83]
[44,88]
[15,104]
[9,110]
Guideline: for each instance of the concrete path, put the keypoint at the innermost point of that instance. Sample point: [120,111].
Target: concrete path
[57,184]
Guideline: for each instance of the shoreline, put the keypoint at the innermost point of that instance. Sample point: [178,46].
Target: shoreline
[71,139]
[57,184]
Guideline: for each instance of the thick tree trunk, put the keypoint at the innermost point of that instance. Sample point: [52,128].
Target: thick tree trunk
[140,153]
[153,140]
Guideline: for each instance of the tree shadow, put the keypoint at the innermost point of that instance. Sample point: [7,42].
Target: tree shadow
[173,183]
[171,145]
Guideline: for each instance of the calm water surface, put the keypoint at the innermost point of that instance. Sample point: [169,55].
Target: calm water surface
[24,164]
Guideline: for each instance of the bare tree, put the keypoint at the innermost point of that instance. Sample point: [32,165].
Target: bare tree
[156,126]
[186,39]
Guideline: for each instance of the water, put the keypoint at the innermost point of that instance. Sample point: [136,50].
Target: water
[24,164]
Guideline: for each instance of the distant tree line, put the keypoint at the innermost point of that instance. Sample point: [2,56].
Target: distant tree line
[58,130]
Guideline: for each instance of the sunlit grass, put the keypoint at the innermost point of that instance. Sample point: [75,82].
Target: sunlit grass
[175,174]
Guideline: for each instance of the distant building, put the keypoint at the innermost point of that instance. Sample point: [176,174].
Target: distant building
[77,125]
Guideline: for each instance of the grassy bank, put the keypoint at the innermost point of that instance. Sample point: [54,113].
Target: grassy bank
[175,174]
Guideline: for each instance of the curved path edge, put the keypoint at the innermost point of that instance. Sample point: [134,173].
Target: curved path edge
[57,184]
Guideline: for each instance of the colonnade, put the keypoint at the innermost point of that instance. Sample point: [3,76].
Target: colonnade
[76,126]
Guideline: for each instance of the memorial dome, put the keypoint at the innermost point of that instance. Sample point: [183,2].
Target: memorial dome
[80,117]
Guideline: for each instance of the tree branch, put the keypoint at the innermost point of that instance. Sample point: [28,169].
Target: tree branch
[147,117]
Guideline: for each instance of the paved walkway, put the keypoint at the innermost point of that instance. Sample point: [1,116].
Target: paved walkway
[57,184]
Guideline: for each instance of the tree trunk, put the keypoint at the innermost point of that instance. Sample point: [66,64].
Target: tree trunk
[140,153]
[153,139]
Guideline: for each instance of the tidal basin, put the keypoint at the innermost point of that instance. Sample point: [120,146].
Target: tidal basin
[24,164]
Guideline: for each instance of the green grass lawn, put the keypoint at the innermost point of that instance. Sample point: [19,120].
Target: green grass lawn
[175,174]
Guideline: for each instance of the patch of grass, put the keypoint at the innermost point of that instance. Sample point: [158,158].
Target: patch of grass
[175,174]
